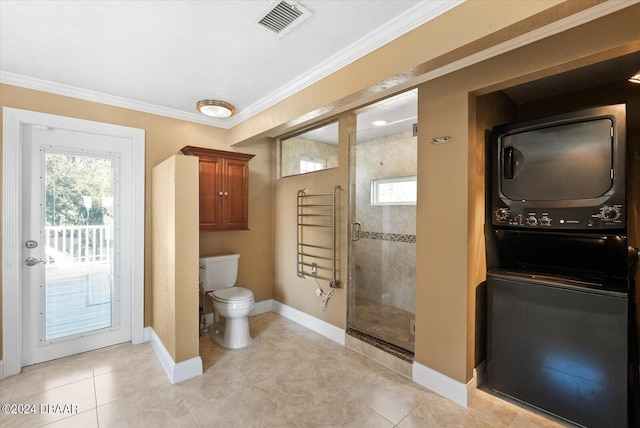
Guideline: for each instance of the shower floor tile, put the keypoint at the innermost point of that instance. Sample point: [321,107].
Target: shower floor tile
[384,322]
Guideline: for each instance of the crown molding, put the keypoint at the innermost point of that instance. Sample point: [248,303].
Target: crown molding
[112,100]
[409,20]
[412,18]
[606,8]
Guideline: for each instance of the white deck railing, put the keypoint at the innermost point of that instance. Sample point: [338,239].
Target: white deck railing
[83,244]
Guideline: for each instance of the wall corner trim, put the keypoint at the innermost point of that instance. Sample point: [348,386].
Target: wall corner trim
[177,372]
[319,326]
[146,334]
[260,308]
[451,389]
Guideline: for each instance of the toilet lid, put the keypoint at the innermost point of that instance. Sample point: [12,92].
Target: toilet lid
[233,294]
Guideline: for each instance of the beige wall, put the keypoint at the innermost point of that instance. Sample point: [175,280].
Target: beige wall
[288,288]
[491,109]
[165,137]
[397,65]
[450,247]
[255,246]
[175,255]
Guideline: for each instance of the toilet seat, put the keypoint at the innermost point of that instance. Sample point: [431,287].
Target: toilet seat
[232,295]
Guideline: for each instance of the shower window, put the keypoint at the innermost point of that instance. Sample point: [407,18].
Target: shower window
[394,191]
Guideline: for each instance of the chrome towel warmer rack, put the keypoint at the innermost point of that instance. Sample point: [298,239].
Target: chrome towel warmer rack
[317,251]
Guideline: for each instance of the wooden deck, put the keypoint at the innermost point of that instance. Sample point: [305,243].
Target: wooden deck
[77,304]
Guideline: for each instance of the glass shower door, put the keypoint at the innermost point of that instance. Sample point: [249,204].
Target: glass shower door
[381,298]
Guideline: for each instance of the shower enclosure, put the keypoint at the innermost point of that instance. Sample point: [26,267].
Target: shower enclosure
[383,178]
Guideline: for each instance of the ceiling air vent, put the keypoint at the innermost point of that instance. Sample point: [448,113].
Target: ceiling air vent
[283,16]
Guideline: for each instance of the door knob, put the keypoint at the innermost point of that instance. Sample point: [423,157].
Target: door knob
[32,261]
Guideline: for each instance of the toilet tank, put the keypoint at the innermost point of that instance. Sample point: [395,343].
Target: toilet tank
[219,271]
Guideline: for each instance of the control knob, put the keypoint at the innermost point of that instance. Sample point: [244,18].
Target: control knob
[531,221]
[502,214]
[545,221]
[608,213]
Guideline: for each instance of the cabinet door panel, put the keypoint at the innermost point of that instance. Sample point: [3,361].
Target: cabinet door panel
[210,174]
[235,203]
[224,186]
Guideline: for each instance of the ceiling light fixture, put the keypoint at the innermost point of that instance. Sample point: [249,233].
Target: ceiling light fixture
[379,122]
[215,108]
[635,78]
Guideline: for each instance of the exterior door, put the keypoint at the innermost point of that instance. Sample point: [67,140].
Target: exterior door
[75,294]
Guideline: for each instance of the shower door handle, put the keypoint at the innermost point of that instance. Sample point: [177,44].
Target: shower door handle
[356,229]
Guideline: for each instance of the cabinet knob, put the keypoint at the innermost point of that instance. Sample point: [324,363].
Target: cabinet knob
[220,193]
[226,193]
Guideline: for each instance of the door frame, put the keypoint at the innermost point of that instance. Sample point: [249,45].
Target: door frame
[12,186]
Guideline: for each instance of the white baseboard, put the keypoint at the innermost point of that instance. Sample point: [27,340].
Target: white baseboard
[451,389]
[262,307]
[146,334]
[443,385]
[315,324]
[319,326]
[437,382]
[177,372]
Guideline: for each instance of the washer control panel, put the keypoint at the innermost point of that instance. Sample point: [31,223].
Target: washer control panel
[603,217]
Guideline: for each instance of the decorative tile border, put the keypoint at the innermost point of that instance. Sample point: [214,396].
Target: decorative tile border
[395,237]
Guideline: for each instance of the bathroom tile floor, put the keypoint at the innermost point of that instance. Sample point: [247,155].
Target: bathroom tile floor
[288,377]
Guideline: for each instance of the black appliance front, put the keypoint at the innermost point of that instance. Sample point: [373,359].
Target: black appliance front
[598,261]
[559,346]
[564,172]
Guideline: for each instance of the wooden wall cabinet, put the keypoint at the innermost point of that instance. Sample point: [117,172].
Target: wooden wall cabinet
[224,188]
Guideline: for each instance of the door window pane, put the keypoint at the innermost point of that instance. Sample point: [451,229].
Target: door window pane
[79,280]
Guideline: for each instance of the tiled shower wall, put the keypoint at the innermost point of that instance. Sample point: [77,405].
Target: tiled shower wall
[386,252]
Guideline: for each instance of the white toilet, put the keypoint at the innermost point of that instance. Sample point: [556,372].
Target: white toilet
[231,305]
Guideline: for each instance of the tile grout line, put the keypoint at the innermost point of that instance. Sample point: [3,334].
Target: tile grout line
[402,420]
[186,405]
[380,414]
[13,386]
[95,396]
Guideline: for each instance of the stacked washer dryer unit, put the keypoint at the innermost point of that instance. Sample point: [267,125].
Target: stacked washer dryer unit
[561,299]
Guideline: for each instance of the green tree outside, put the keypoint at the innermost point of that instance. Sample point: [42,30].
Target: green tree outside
[70,178]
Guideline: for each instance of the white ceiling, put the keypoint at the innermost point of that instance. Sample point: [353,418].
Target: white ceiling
[163,56]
